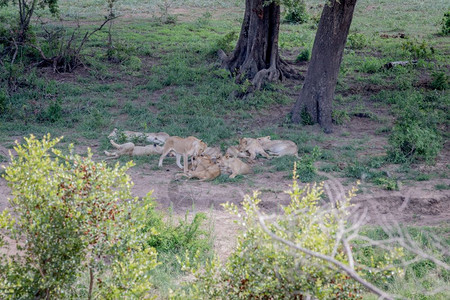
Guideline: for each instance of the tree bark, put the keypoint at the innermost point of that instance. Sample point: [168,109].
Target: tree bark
[317,94]
[256,56]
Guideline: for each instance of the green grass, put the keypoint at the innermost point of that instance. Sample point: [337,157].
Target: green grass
[166,77]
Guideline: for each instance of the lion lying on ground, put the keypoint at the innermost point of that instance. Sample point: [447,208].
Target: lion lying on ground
[152,137]
[133,150]
[233,151]
[204,168]
[253,147]
[190,146]
[213,152]
[235,165]
[278,147]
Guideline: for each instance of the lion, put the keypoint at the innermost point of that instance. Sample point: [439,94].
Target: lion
[132,150]
[157,137]
[253,147]
[204,168]
[235,165]
[190,146]
[278,147]
[152,137]
[213,152]
[233,151]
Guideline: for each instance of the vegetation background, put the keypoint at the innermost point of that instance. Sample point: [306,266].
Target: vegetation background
[154,67]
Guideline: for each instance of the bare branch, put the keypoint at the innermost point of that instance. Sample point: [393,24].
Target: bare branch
[350,272]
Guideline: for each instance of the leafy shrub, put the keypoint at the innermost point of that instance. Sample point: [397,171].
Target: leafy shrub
[305,168]
[411,140]
[261,268]
[415,134]
[134,63]
[416,49]
[74,226]
[340,117]
[440,81]
[387,183]
[356,170]
[295,12]
[370,65]
[54,111]
[445,30]
[304,55]
[3,100]
[356,41]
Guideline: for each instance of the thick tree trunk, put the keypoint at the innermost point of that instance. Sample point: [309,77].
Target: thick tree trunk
[317,93]
[256,54]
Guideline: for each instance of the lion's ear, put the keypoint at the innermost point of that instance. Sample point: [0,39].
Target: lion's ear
[268,137]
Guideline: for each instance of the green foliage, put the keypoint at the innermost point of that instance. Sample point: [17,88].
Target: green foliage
[445,30]
[356,170]
[415,134]
[306,118]
[226,42]
[340,117]
[295,11]
[440,81]
[72,216]
[205,19]
[370,65]
[387,183]
[416,49]
[186,236]
[261,268]
[417,278]
[304,55]
[54,111]
[3,101]
[305,168]
[134,63]
[356,41]
[410,141]
[442,186]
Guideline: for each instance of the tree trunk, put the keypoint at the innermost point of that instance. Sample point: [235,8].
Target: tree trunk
[317,93]
[256,56]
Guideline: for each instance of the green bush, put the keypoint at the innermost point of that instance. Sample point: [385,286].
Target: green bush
[262,268]
[304,55]
[295,12]
[410,141]
[3,101]
[305,168]
[340,117]
[416,134]
[445,30]
[440,81]
[134,63]
[416,49]
[356,41]
[75,225]
[371,65]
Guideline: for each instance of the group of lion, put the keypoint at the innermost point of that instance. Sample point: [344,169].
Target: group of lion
[207,163]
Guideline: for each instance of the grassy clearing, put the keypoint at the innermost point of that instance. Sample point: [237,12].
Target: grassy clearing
[166,77]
